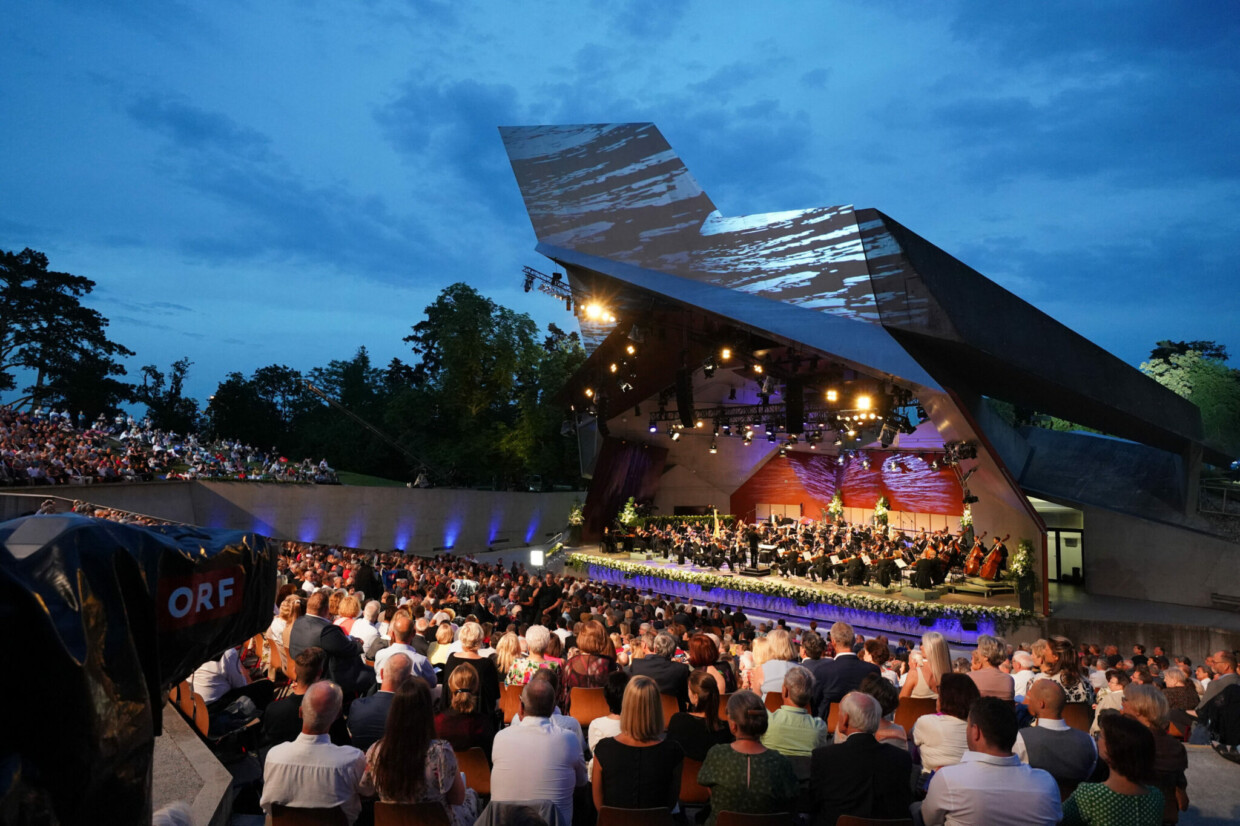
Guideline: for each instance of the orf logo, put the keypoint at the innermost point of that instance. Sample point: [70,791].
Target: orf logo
[201,597]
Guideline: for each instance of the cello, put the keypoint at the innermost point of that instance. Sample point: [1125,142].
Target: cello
[990,565]
[973,562]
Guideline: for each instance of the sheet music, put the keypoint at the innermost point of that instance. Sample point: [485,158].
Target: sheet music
[901,564]
[835,560]
[865,558]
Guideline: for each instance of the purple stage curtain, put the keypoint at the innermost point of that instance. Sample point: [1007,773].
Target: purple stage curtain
[623,469]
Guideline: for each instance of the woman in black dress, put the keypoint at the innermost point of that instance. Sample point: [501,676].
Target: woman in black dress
[638,768]
[488,674]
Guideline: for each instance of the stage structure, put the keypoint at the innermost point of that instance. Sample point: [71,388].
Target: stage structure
[767,364]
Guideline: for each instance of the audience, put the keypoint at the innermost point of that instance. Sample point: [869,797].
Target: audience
[987,657]
[311,772]
[888,698]
[1127,747]
[700,729]
[1148,706]
[1059,663]
[990,784]
[671,677]
[344,654]
[1051,744]
[792,730]
[934,662]
[409,765]
[638,768]
[857,774]
[744,776]
[368,715]
[485,672]
[838,676]
[609,724]
[464,723]
[942,737]
[595,660]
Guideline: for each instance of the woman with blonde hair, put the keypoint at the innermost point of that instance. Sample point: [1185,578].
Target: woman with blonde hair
[348,609]
[484,667]
[638,768]
[1147,705]
[437,653]
[464,723]
[507,652]
[923,681]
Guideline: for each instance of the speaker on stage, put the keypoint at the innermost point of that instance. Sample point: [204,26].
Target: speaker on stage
[684,396]
[794,405]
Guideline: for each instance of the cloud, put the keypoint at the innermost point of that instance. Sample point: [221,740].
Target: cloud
[647,19]
[192,128]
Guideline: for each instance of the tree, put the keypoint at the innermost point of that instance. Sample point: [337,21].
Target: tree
[1197,370]
[45,329]
[162,395]
[238,410]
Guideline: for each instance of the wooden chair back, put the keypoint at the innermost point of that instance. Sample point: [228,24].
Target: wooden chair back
[1079,716]
[275,662]
[185,700]
[473,762]
[854,820]
[742,819]
[774,700]
[833,717]
[586,705]
[510,702]
[670,706]
[430,813]
[294,816]
[692,793]
[911,708]
[199,717]
[611,816]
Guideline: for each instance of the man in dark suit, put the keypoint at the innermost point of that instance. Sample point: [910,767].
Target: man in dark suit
[841,675]
[857,775]
[344,654]
[368,715]
[672,678]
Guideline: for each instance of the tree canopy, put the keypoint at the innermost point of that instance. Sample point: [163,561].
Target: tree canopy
[1198,371]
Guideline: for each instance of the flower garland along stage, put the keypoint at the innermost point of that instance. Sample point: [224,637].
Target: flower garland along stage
[785,598]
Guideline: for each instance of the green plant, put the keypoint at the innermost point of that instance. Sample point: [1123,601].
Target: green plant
[628,514]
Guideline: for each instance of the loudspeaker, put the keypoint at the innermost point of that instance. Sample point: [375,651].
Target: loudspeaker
[794,406]
[684,396]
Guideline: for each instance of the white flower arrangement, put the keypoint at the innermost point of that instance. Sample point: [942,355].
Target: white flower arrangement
[966,518]
[836,509]
[999,614]
[1021,563]
[628,514]
[881,508]
[576,514]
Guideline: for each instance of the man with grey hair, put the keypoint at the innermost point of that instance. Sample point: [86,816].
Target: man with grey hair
[985,673]
[842,674]
[857,775]
[310,772]
[791,729]
[534,760]
[671,677]
[365,627]
[1022,674]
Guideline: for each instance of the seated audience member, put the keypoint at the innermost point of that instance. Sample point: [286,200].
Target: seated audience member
[507,652]
[990,785]
[1110,701]
[1022,674]
[942,737]
[609,724]
[344,654]
[347,614]
[1050,743]
[408,765]
[792,730]
[534,742]
[441,647]
[368,715]
[401,631]
[463,723]
[671,677]
[841,674]
[484,667]
[558,719]
[1127,747]
[744,776]
[365,627]
[962,665]
[594,662]
[991,682]
[310,772]
[1148,706]
[1059,663]
[703,655]
[1223,664]
[888,697]
[222,681]
[934,662]
[282,719]
[1182,696]
[813,647]
[537,638]
[700,729]
[768,676]
[876,652]
[857,775]
[638,769]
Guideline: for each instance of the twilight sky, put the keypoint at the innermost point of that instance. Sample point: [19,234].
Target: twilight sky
[280,182]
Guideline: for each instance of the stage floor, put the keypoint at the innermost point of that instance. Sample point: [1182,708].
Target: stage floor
[1008,600]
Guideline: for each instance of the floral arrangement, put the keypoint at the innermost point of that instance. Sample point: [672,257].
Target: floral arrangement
[836,509]
[966,518]
[553,550]
[1021,563]
[1001,616]
[880,510]
[725,521]
[628,514]
[576,515]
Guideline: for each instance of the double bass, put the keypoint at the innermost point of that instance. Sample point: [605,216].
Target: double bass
[990,565]
[973,562]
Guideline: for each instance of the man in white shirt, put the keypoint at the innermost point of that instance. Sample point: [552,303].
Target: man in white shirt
[364,628]
[401,630]
[990,785]
[310,772]
[559,720]
[1022,673]
[534,760]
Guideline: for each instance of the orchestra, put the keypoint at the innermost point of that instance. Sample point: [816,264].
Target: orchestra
[822,551]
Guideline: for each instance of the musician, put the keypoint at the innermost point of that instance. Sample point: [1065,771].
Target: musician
[927,572]
[753,538]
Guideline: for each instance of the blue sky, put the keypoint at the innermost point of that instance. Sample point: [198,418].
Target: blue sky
[278,182]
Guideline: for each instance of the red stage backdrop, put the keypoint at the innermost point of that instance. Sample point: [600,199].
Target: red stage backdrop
[812,479]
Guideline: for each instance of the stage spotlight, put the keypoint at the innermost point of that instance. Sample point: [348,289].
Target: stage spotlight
[630,349]
[700,424]
[770,436]
[783,451]
[833,395]
[748,440]
[529,282]
[568,304]
[757,368]
[714,448]
[589,392]
[614,367]
[851,433]
[864,402]
[725,354]
[654,426]
[708,368]
[675,434]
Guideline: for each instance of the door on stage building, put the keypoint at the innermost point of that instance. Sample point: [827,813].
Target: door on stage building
[1064,556]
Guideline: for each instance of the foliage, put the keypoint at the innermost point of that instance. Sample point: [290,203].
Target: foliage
[966,518]
[881,508]
[46,330]
[1021,563]
[628,514]
[836,509]
[576,516]
[1002,616]
[162,394]
[725,521]
[1197,370]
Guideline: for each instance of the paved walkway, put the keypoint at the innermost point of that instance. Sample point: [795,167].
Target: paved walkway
[1213,789]
[1071,602]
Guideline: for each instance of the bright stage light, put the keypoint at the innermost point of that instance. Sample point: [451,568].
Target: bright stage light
[614,367]
[863,402]
[590,392]
[537,559]
[725,353]
[833,395]
[630,349]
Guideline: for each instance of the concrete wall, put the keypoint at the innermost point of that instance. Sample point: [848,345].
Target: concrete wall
[410,519]
[1141,559]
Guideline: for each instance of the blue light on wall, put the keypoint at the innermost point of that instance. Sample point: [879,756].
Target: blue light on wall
[535,518]
[353,533]
[404,530]
[308,529]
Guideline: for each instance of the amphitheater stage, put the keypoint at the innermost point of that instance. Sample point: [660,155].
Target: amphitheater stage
[902,612]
